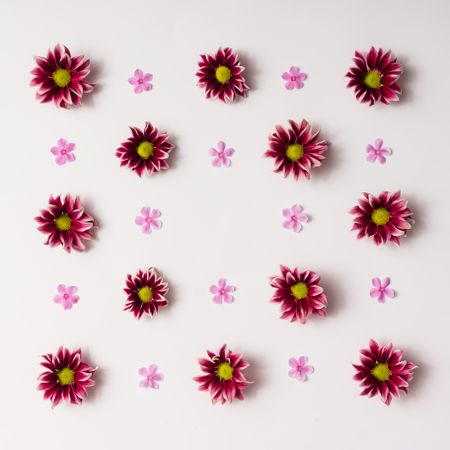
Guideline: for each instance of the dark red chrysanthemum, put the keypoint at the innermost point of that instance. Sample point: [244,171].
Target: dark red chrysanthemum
[221,75]
[61,78]
[383,371]
[224,379]
[145,150]
[385,218]
[66,223]
[299,294]
[296,150]
[374,77]
[146,293]
[67,377]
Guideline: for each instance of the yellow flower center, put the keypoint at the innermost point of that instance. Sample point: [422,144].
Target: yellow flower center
[225,371]
[145,149]
[294,152]
[145,294]
[299,291]
[61,77]
[65,376]
[373,79]
[381,372]
[380,216]
[223,74]
[63,222]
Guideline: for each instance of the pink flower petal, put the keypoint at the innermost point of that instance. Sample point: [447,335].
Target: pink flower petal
[71,290]
[138,73]
[144,384]
[133,81]
[221,146]
[155,213]
[138,88]
[374,292]
[148,77]
[146,228]
[222,283]
[213,289]
[376,282]
[228,152]
[227,298]
[217,162]
[286,76]
[142,371]
[390,293]
[378,143]
[145,211]
[62,143]
[56,151]
[386,282]
[139,220]
[217,299]
[61,160]
[152,368]
[293,363]
[293,373]
[294,70]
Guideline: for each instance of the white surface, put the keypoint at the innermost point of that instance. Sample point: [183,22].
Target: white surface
[221,222]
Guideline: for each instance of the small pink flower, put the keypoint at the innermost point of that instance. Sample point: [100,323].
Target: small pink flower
[222,292]
[141,81]
[294,78]
[63,152]
[294,218]
[381,290]
[221,155]
[148,219]
[66,296]
[377,152]
[300,368]
[151,377]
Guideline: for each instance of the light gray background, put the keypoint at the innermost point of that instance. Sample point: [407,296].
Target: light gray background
[224,223]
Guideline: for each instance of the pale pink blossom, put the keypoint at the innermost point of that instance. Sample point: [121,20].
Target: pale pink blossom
[221,154]
[66,296]
[148,219]
[63,151]
[141,81]
[294,218]
[381,289]
[300,368]
[222,292]
[151,377]
[377,152]
[294,78]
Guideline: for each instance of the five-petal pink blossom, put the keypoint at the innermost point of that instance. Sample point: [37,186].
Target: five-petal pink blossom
[63,151]
[294,218]
[381,289]
[300,368]
[151,377]
[378,152]
[294,78]
[148,219]
[141,81]
[221,155]
[66,296]
[222,292]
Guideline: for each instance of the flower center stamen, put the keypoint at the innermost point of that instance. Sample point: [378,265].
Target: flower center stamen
[380,216]
[63,222]
[373,79]
[299,291]
[223,74]
[225,371]
[294,152]
[61,77]
[381,372]
[65,376]
[145,149]
[145,294]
